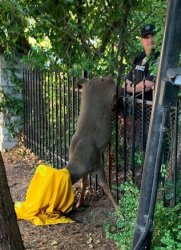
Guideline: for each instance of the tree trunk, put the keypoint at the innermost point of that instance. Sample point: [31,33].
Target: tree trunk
[10,238]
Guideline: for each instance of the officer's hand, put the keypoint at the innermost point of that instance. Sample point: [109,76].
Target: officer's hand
[128,86]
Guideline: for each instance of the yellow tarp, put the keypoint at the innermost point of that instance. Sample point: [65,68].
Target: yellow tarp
[49,195]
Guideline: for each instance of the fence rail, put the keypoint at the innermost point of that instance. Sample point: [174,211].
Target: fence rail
[51,109]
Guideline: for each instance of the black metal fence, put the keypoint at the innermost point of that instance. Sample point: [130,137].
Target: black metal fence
[51,108]
[51,104]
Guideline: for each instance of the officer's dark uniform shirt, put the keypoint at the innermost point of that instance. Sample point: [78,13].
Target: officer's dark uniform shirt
[140,71]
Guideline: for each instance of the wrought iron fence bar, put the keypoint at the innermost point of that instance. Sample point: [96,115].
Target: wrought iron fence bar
[28,110]
[64,115]
[116,140]
[57,128]
[35,82]
[31,112]
[78,98]
[67,115]
[68,109]
[175,170]
[73,104]
[49,117]
[43,114]
[38,111]
[143,119]
[125,131]
[52,118]
[60,117]
[110,165]
[133,135]
[34,112]
[25,105]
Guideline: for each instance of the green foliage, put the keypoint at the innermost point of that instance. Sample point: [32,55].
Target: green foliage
[139,157]
[11,103]
[125,217]
[12,107]
[153,64]
[167,226]
[14,104]
[12,24]
[101,36]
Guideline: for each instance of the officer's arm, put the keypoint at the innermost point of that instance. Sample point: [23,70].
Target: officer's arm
[148,86]
[139,87]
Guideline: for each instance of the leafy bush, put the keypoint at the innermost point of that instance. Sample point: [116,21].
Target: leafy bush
[167,226]
[125,217]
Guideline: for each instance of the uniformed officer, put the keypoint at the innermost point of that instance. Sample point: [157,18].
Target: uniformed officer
[144,65]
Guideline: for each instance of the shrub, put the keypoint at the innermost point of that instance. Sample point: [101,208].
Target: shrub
[122,228]
[167,226]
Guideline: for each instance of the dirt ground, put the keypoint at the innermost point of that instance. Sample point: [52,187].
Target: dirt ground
[88,230]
